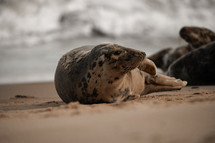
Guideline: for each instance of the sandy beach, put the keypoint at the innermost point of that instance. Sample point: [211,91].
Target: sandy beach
[35,34]
[34,113]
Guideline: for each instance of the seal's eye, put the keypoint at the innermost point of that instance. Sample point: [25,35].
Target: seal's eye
[117,53]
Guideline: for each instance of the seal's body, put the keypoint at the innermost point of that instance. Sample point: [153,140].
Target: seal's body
[197,67]
[108,73]
[196,37]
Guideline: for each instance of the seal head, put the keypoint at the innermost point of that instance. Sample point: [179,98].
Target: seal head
[197,36]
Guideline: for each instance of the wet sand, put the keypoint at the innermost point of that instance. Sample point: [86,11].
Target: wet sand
[34,113]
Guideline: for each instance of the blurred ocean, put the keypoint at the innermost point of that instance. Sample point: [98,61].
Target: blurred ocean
[34,34]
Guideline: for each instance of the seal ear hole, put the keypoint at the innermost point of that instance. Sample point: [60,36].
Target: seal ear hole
[117,53]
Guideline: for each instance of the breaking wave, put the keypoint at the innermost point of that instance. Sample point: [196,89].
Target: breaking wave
[36,21]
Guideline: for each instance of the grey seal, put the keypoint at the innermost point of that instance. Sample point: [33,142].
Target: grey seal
[108,73]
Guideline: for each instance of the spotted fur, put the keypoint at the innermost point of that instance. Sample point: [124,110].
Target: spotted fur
[107,73]
[197,36]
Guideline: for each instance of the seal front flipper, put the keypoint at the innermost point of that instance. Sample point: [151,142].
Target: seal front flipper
[148,66]
[157,88]
[160,79]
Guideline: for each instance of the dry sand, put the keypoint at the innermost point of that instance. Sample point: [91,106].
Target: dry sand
[34,113]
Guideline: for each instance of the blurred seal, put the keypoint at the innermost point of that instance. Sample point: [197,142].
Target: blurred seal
[196,37]
[197,67]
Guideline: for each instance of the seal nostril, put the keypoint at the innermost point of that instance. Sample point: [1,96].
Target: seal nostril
[143,53]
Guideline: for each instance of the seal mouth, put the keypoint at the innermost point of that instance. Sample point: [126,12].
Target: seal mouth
[127,69]
[141,56]
[135,58]
[132,65]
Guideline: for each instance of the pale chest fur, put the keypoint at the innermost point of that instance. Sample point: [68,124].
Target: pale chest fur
[132,83]
[135,81]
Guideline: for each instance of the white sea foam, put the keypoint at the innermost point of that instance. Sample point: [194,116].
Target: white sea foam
[41,24]
[36,20]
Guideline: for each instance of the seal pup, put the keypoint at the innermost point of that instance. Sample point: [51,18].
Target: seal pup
[108,73]
[194,36]
[197,67]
